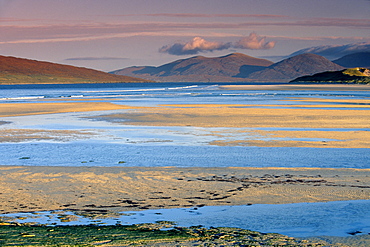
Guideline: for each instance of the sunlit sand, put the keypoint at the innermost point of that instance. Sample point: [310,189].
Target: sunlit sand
[136,188]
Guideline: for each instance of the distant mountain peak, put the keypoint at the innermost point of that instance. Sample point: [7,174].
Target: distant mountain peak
[359,59]
[293,67]
[236,54]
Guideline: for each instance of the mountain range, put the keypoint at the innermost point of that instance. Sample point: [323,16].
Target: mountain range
[24,71]
[233,68]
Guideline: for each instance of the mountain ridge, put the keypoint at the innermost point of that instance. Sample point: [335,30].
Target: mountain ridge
[224,68]
[359,59]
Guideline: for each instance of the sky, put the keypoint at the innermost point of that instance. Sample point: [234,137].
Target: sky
[112,34]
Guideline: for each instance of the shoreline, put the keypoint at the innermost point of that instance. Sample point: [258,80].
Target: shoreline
[288,86]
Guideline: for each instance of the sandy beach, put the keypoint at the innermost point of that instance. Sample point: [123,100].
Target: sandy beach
[102,189]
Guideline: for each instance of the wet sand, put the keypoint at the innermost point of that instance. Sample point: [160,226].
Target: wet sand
[243,116]
[113,189]
[309,139]
[323,126]
[329,123]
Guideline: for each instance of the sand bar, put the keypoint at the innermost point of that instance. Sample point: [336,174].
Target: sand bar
[240,116]
[310,139]
[24,109]
[25,189]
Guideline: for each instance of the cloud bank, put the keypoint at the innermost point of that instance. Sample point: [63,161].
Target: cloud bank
[94,58]
[335,51]
[198,44]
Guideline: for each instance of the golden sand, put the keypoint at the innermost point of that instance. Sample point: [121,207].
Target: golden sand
[242,116]
[312,139]
[135,188]
[23,109]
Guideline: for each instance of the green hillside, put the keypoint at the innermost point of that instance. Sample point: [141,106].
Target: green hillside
[347,76]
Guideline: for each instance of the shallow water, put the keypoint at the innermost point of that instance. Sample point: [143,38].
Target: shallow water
[96,154]
[342,218]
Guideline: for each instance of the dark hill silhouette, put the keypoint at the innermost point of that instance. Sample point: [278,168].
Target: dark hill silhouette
[232,67]
[290,68]
[359,59]
[24,71]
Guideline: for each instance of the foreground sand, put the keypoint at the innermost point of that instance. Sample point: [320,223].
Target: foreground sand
[104,189]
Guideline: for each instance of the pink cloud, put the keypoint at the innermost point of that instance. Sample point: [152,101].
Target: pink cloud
[195,46]
[254,42]
[198,44]
[189,15]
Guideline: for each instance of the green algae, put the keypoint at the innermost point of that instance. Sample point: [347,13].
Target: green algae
[159,234]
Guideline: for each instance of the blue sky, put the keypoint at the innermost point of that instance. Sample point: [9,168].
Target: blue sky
[114,34]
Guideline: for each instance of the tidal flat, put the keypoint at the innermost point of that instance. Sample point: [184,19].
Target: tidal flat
[102,149]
